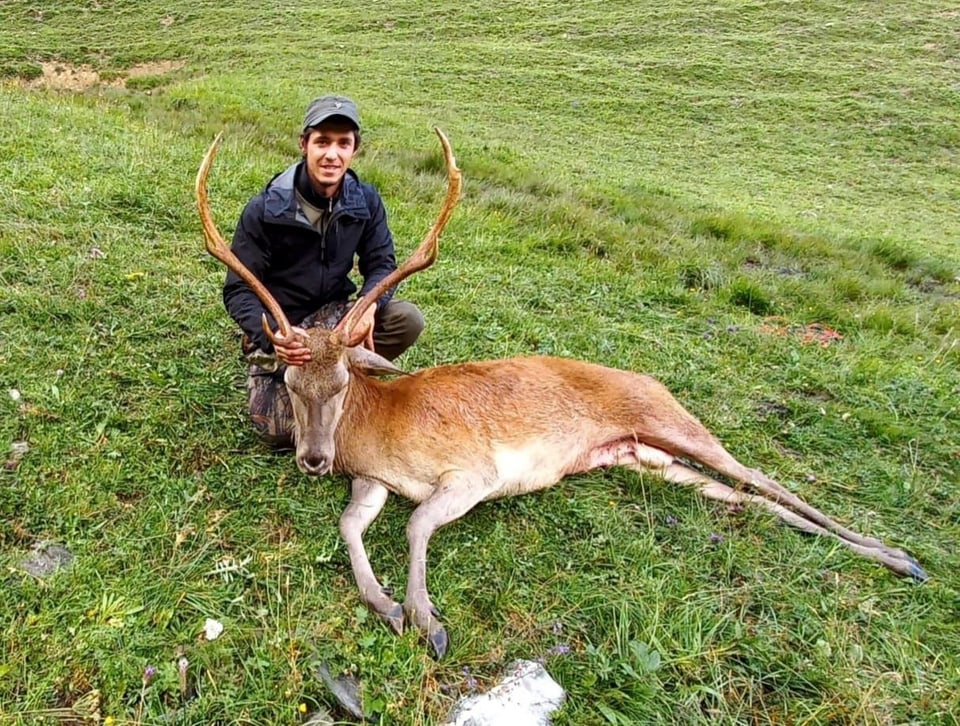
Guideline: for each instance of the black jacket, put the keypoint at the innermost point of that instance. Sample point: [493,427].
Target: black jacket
[301,267]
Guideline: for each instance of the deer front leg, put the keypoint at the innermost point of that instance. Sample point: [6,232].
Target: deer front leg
[455,494]
[366,502]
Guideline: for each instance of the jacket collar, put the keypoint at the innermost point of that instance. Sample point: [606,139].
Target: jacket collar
[280,199]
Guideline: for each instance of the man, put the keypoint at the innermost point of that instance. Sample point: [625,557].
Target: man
[300,236]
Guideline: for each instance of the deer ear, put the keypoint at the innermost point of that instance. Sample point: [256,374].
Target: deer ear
[371,363]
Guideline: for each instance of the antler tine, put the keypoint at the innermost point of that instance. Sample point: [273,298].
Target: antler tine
[219,249]
[422,257]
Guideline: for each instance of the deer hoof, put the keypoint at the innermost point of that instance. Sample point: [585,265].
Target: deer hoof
[438,642]
[917,572]
[393,618]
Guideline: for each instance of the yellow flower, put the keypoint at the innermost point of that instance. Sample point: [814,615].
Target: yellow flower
[109,721]
[302,708]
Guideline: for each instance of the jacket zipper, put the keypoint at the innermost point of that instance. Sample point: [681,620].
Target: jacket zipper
[324,226]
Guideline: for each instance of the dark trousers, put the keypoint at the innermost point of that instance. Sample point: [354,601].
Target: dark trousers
[396,327]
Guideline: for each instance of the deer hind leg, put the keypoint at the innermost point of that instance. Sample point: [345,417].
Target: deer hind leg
[710,452]
[713,489]
[455,494]
[366,502]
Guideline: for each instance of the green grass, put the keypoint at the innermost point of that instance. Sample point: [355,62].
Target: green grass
[655,187]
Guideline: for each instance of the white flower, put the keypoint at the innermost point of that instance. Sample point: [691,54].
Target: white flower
[14,394]
[212,629]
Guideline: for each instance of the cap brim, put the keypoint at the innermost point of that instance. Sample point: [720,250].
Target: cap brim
[323,118]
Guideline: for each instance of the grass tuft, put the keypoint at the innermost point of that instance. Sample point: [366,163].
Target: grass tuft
[749,295]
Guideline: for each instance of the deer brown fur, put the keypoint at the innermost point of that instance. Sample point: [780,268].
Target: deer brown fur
[453,436]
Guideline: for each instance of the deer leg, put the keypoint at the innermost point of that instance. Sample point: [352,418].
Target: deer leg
[769,487]
[775,491]
[712,489]
[366,502]
[697,443]
[455,494]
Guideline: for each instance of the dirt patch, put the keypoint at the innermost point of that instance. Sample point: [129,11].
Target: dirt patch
[807,334]
[67,77]
[64,77]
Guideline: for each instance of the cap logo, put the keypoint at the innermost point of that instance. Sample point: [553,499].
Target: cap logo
[337,104]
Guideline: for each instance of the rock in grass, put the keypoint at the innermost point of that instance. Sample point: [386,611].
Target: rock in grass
[46,558]
[526,696]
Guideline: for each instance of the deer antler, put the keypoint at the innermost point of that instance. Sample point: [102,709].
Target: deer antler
[219,249]
[424,256]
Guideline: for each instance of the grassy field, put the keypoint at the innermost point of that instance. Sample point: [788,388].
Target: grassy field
[678,188]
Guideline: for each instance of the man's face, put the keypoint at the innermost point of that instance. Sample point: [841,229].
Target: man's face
[328,150]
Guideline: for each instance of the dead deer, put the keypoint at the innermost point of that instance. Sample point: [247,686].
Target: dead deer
[453,436]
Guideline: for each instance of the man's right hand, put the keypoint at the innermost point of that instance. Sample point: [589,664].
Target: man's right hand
[294,353]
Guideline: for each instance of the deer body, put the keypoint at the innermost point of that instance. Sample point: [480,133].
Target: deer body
[529,422]
[453,436]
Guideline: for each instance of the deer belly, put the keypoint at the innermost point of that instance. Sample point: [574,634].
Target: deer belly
[527,469]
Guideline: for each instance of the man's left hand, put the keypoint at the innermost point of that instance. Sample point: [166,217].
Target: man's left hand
[367,322]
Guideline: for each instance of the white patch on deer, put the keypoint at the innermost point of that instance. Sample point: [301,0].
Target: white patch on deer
[527,469]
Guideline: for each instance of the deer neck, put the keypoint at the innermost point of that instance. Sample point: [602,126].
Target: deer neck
[360,422]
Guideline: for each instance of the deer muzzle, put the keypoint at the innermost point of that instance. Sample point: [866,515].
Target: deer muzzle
[314,463]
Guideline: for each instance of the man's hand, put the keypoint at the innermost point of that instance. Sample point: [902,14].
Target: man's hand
[294,353]
[367,322]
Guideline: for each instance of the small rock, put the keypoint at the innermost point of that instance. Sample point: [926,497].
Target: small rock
[46,558]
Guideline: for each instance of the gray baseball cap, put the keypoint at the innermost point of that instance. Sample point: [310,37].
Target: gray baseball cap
[327,107]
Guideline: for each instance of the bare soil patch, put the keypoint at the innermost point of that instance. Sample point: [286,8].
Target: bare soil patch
[68,77]
[810,333]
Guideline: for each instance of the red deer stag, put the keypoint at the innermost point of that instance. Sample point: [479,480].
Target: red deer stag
[453,436]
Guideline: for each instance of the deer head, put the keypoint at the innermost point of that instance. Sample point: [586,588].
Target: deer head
[318,390]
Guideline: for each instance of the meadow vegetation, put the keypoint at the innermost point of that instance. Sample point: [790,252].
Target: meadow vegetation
[756,202]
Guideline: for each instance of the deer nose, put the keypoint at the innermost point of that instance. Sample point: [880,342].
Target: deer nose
[314,464]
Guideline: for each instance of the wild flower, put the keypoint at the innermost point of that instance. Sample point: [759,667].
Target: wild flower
[148,673]
[182,665]
[212,629]
[715,538]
